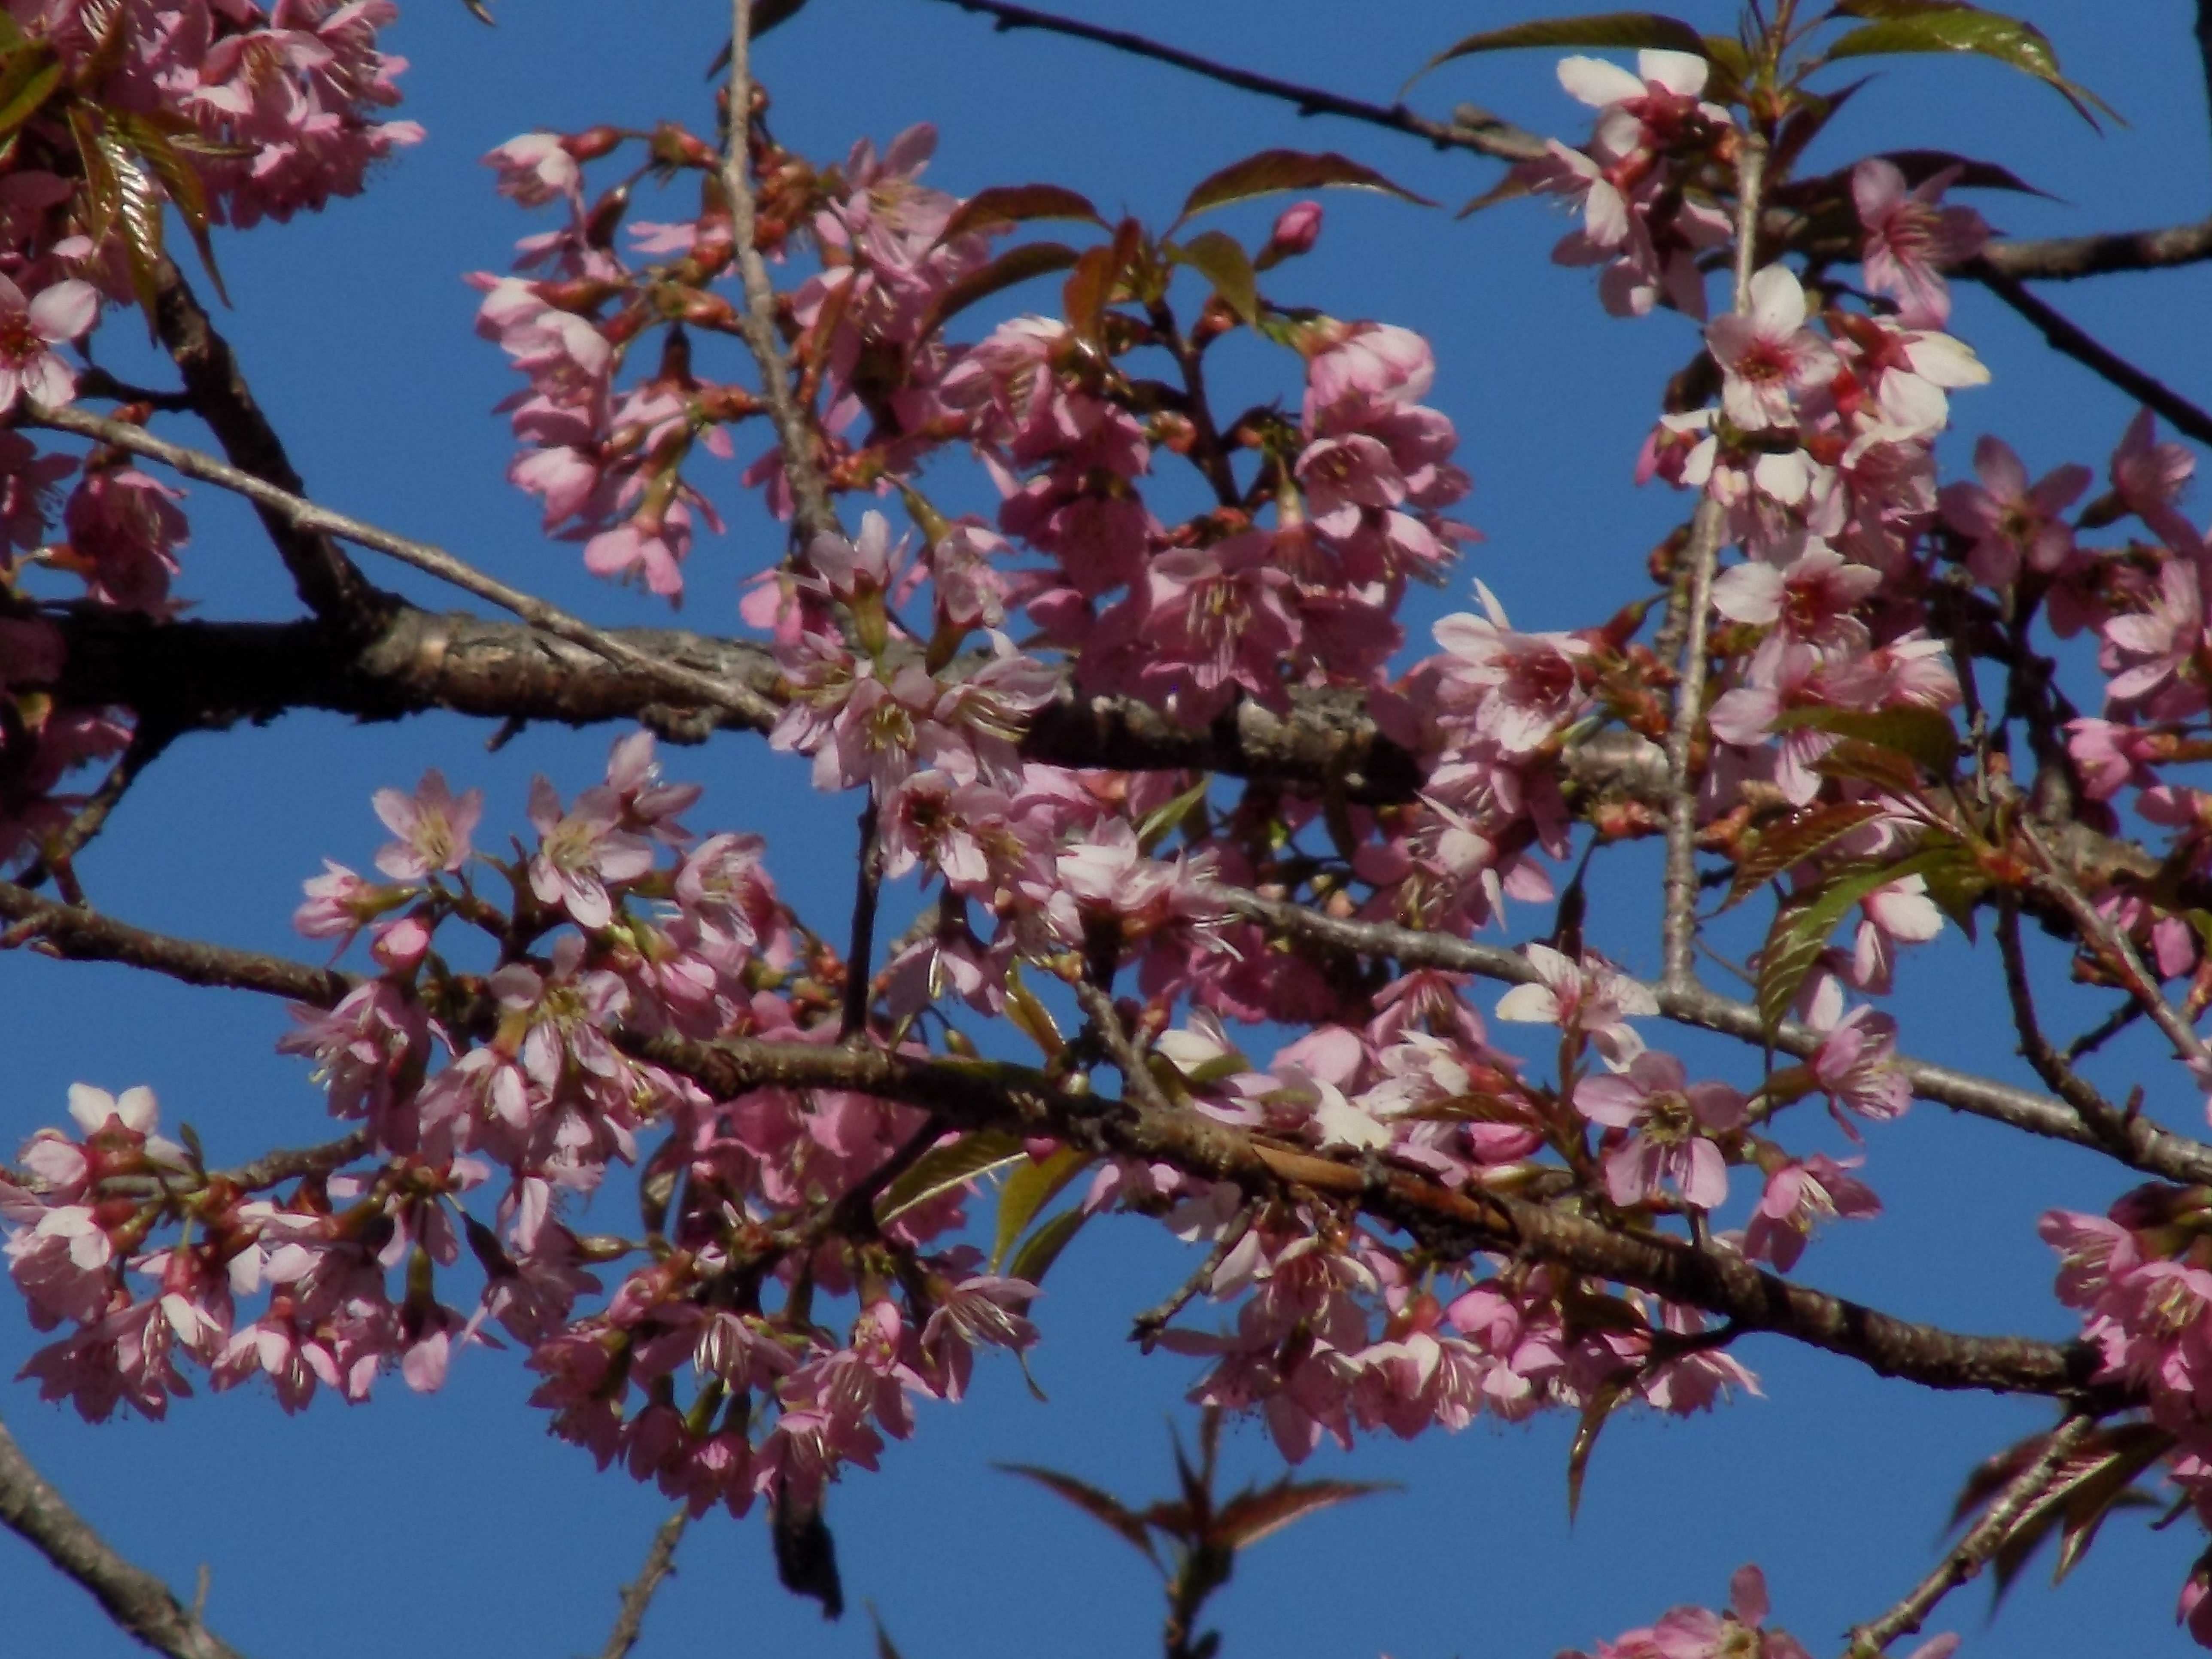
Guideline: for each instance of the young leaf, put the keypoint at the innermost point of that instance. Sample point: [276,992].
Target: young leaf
[1015,265]
[1014,204]
[1923,735]
[1028,1189]
[1043,1248]
[1090,286]
[1102,1507]
[1965,29]
[1274,170]
[1249,1516]
[179,179]
[1221,260]
[29,79]
[941,1169]
[1803,922]
[1785,845]
[1612,28]
[1866,763]
[1161,820]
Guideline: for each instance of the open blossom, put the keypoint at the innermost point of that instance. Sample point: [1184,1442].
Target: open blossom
[1912,238]
[1769,356]
[1670,1122]
[580,851]
[432,824]
[29,332]
[2014,525]
[1800,1195]
[1590,997]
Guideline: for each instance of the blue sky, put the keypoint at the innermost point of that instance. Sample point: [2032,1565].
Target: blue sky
[453,1524]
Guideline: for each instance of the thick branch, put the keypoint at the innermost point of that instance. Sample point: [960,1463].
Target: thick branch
[305,515]
[2066,258]
[987,1095]
[1489,137]
[141,1605]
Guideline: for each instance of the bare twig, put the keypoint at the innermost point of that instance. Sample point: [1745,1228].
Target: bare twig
[2068,339]
[1707,527]
[149,739]
[1982,1539]
[2103,1032]
[1145,1329]
[2105,1119]
[304,514]
[141,1605]
[637,1594]
[812,512]
[1493,137]
[867,888]
[328,581]
[84,936]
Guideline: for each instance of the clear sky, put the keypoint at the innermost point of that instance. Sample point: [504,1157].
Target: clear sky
[451,1524]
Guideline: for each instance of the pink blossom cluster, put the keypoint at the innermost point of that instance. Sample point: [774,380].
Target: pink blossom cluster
[508,1090]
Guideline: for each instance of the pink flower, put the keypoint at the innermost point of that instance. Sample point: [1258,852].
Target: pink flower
[1670,1122]
[535,169]
[1589,997]
[1911,239]
[30,330]
[1799,1195]
[2149,476]
[433,828]
[1769,355]
[2013,525]
[580,851]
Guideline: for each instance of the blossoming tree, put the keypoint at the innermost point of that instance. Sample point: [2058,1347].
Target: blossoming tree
[1191,884]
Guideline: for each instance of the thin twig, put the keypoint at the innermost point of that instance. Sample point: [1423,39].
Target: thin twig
[811,510]
[2069,258]
[1707,527]
[2118,955]
[867,888]
[1097,1005]
[637,1594]
[2105,1119]
[2103,1032]
[1984,1540]
[1145,1329]
[1493,137]
[435,561]
[2068,339]
[149,739]
[141,1605]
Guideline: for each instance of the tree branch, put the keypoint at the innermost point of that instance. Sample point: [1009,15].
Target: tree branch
[811,514]
[2105,1120]
[1489,137]
[2068,339]
[327,581]
[2069,258]
[305,515]
[141,1605]
[637,1594]
[1985,1538]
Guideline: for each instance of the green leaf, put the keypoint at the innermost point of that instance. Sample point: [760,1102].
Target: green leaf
[1102,1507]
[1867,762]
[1803,922]
[179,179]
[1956,884]
[1028,1189]
[120,200]
[1925,736]
[1031,1018]
[942,1168]
[29,79]
[1221,260]
[1161,820]
[1783,846]
[1275,170]
[1015,265]
[1509,188]
[1249,1516]
[1612,28]
[1930,26]
[1014,204]
[1035,1259]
